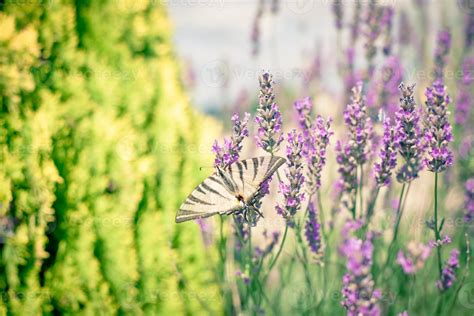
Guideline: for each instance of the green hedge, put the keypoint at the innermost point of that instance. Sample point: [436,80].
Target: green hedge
[98,146]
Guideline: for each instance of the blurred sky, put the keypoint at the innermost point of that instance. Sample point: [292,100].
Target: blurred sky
[213,36]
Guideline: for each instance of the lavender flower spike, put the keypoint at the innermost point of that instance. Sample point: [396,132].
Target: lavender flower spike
[384,92]
[387,22]
[313,231]
[355,25]
[469,201]
[448,275]
[372,33]
[438,129]
[443,46]
[268,117]
[468,31]
[464,97]
[347,183]
[316,154]
[229,152]
[316,135]
[388,155]
[359,295]
[359,125]
[408,136]
[255,34]
[338,13]
[417,253]
[304,110]
[292,192]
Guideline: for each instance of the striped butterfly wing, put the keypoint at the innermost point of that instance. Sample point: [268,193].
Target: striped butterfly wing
[249,174]
[209,198]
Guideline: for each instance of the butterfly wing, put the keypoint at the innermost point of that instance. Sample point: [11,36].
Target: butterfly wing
[209,198]
[249,174]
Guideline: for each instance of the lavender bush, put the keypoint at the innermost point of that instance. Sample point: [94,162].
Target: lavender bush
[359,220]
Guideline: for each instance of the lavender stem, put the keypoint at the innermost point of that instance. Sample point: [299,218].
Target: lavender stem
[370,207]
[361,184]
[222,241]
[466,273]
[321,215]
[395,231]
[354,204]
[436,227]
[399,214]
[278,253]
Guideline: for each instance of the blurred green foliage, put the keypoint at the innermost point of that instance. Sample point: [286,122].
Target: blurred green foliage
[98,147]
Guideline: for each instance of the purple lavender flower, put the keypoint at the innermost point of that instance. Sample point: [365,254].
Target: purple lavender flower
[313,231]
[387,22]
[373,30]
[448,274]
[316,154]
[350,227]
[469,201]
[469,31]
[304,110]
[262,252]
[255,34]
[316,136]
[268,117]
[229,152]
[466,147]
[347,169]
[440,242]
[359,295]
[408,136]
[415,258]
[438,129]
[351,76]
[355,25]
[464,98]
[243,276]
[355,151]
[292,191]
[359,126]
[443,46]
[384,91]
[338,13]
[388,155]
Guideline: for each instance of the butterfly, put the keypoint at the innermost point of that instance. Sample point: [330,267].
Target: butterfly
[229,190]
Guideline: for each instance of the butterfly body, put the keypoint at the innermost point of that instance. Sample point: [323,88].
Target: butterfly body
[229,190]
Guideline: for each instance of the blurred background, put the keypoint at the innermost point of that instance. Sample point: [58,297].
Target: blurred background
[224,44]
[110,107]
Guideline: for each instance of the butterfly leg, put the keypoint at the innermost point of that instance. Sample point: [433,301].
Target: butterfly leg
[251,215]
[259,213]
